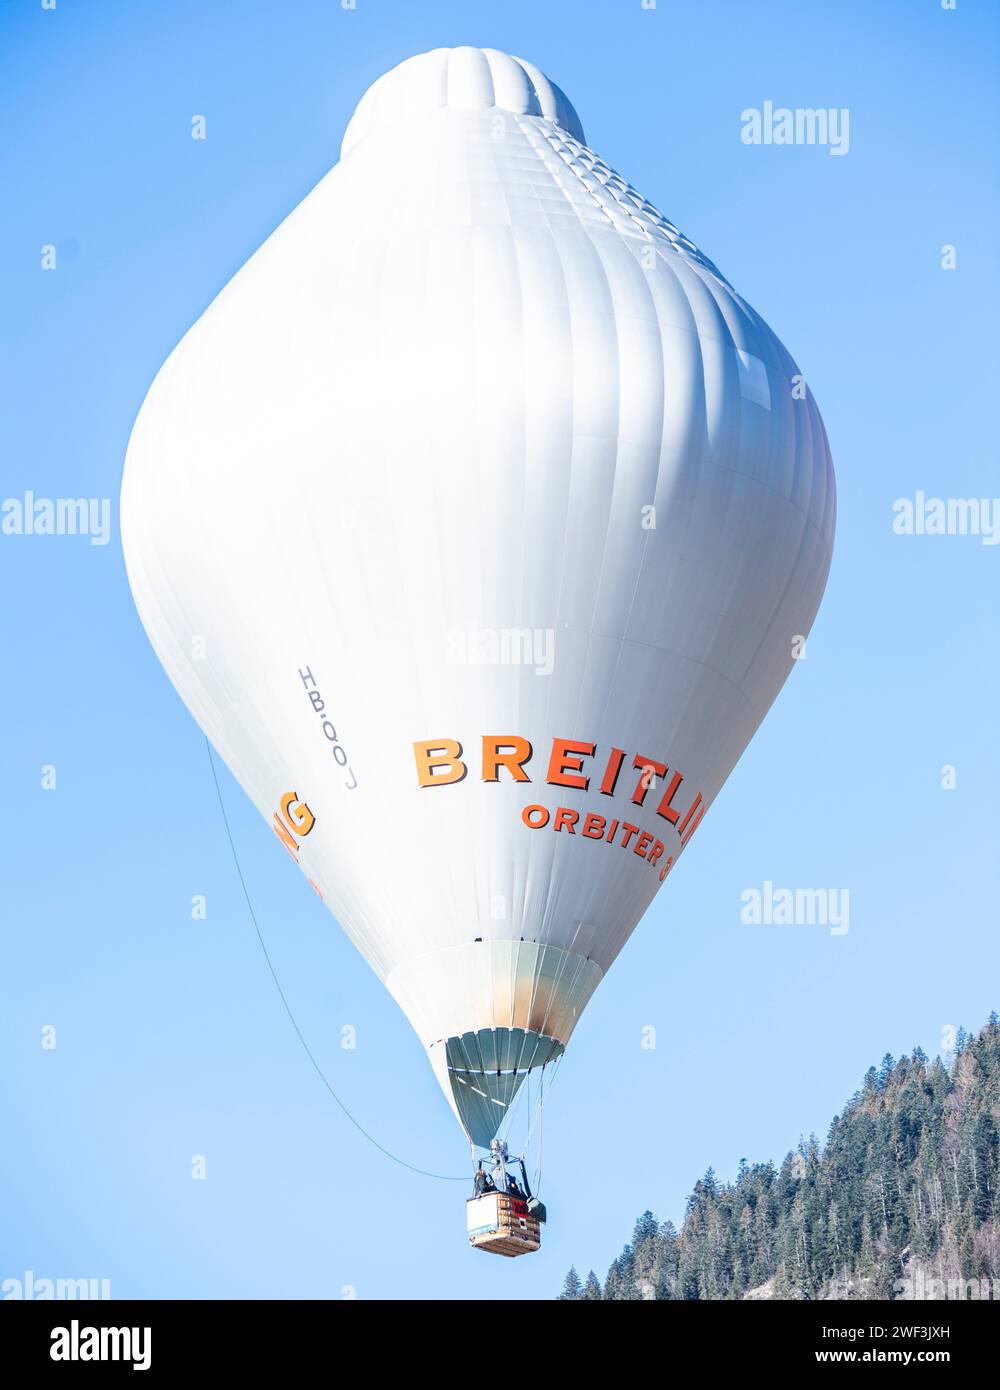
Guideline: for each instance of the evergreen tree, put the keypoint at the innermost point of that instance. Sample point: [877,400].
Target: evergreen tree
[612,1283]
[646,1228]
[571,1286]
[885,1071]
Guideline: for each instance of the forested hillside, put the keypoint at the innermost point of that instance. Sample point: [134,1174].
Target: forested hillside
[901,1200]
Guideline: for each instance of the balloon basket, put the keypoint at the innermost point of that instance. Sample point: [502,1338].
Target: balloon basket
[502,1225]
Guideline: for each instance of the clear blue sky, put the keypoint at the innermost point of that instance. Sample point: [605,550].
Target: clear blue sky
[171,1039]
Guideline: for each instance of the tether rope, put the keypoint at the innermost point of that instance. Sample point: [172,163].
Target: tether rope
[441,1177]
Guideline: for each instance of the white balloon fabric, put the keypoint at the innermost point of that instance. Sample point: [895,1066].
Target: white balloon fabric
[477,522]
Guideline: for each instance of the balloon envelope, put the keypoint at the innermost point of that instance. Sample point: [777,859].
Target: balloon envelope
[476,522]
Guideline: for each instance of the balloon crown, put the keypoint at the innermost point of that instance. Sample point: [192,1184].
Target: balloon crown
[468,79]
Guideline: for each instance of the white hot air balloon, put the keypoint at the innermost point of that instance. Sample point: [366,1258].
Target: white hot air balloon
[476,522]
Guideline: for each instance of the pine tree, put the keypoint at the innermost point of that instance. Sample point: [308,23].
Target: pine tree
[866,1258]
[646,1228]
[571,1286]
[591,1289]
